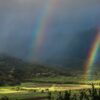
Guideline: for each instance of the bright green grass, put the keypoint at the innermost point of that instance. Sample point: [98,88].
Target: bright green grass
[26,90]
[12,94]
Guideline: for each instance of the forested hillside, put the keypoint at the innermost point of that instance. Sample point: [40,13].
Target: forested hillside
[14,71]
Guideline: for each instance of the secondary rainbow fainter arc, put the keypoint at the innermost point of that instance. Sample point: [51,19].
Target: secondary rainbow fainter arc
[42,28]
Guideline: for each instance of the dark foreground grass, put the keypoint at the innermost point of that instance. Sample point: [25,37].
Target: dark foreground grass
[24,95]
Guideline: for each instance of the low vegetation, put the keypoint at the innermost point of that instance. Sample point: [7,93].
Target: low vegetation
[19,93]
[24,81]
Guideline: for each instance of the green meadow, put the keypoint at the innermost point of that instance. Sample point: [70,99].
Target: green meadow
[24,81]
[40,87]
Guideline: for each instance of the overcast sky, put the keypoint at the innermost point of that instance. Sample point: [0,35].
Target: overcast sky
[71,28]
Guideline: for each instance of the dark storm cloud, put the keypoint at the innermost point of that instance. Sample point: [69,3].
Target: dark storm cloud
[67,36]
[16,26]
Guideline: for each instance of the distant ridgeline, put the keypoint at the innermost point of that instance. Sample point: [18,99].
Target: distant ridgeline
[13,71]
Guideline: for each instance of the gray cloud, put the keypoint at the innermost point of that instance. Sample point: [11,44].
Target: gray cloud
[19,19]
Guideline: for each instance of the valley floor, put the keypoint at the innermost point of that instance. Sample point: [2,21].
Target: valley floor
[38,91]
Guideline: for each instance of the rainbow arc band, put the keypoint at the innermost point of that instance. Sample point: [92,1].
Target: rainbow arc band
[92,57]
[43,27]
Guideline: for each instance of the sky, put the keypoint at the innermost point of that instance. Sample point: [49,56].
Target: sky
[48,31]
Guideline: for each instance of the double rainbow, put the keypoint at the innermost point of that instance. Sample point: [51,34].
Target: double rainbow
[41,36]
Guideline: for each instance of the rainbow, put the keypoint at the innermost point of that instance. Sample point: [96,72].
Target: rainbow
[92,57]
[42,28]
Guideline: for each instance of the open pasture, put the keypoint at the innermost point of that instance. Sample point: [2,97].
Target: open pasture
[34,90]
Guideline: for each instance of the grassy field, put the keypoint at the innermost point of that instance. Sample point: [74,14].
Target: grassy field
[64,80]
[31,90]
[19,93]
[39,87]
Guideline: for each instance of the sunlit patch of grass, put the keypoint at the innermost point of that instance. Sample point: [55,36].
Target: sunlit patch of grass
[57,87]
[3,91]
[9,90]
[95,82]
[22,93]
[28,90]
